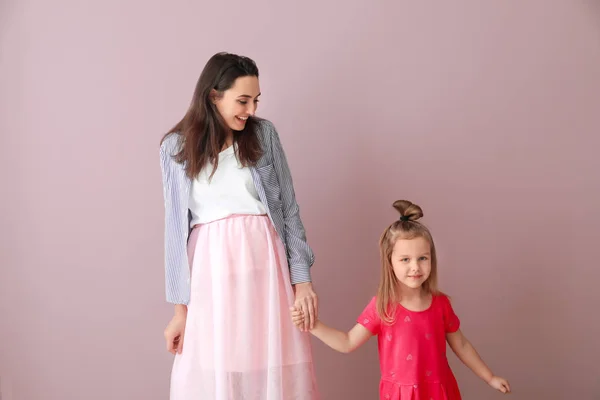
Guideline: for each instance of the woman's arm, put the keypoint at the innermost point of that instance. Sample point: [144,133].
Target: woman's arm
[301,256]
[177,274]
[175,235]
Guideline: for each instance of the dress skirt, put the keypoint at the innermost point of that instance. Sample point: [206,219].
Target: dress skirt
[239,341]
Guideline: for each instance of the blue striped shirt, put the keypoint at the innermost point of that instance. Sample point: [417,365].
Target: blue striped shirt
[273,181]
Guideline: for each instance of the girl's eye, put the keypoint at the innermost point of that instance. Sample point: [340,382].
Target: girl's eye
[404,260]
[423,258]
[242,102]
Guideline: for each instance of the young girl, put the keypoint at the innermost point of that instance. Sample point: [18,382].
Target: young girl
[412,319]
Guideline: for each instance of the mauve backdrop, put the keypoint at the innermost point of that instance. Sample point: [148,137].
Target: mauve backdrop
[487,114]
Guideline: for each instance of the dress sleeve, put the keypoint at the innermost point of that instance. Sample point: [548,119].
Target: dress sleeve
[369,318]
[451,321]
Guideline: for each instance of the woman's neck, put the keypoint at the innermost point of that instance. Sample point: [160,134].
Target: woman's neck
[228,140]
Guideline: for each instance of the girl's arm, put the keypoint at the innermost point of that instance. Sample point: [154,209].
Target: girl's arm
[465,351]
[344,342]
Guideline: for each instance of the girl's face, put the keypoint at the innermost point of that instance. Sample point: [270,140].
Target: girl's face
[411,261]
[239,102]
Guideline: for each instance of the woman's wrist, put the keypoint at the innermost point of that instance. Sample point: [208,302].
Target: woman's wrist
[300,284]
[180,310]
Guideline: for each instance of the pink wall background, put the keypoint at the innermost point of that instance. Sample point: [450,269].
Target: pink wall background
[487,115]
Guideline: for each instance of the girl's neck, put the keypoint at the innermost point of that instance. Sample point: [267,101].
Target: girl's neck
[415,299]
[412,294]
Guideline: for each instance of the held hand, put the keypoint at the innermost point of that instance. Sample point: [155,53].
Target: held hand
[174,334]
[297,317]
[500,384]
[306,301]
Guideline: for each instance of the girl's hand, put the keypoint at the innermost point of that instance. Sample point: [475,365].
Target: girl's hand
[297,317]
[500,384]
[174,333]
[307,302]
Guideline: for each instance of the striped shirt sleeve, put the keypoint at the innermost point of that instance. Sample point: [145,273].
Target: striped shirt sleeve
[177,273]
[300,254]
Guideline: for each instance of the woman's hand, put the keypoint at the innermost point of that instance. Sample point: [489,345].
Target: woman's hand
[174,333]
[307,303]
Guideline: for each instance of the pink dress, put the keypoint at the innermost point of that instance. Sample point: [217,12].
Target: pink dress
[412,351]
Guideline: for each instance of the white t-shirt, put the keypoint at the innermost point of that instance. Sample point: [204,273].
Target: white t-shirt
[230,191]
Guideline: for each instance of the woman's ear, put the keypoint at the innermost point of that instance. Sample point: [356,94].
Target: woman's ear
[213,96]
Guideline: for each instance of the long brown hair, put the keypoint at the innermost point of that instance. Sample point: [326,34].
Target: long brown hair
[407,227]
[202,131]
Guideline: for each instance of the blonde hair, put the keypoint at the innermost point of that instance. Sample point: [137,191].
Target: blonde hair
[407,227]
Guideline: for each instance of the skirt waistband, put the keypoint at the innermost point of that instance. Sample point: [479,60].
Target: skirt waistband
[232,216]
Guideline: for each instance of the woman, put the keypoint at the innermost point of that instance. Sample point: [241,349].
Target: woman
[236,253]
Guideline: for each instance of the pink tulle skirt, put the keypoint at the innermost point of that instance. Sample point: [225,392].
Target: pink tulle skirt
[239,342]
